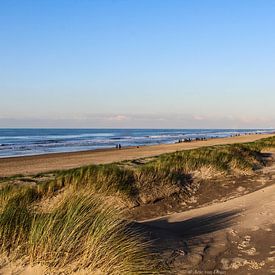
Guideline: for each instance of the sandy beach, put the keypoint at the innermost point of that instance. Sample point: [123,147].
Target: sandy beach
[218,228]
[58,161]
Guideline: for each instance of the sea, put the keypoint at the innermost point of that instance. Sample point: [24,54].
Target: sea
[25,142]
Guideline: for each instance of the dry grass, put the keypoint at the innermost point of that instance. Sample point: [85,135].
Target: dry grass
[81,233]
[160,177]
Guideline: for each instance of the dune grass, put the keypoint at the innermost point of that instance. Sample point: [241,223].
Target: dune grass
[226,158]
[163,175]
[81,233]
[83,230]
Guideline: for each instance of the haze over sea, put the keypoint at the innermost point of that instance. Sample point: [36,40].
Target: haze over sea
[23,142]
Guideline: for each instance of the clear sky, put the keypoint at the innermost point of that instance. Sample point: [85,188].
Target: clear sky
[137,63]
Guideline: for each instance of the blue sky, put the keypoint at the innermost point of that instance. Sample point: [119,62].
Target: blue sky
[137,63]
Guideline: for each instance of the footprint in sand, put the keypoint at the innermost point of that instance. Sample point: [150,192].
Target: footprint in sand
[233,232]
[245,243]
[251,252]
[236,263]
[266,213]
[255,228]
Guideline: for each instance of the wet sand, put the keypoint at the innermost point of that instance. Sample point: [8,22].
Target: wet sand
[28,165]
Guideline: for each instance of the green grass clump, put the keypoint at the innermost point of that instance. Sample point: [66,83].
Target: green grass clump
[163,176]
[261,144]
[226,158]
[6,192]
[154,182]
[86,233]
[15,216]
[101,179]
[15,224]
[20,195]
[81,233]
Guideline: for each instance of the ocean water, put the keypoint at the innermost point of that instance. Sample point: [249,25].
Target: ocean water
[22,142]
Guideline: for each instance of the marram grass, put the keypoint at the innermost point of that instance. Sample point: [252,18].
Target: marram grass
[81,233]
[162,176]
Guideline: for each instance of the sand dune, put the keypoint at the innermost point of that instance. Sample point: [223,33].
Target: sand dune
[232,237]
[229,234]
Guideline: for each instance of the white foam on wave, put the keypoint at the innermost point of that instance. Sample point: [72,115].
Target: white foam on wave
[70,142]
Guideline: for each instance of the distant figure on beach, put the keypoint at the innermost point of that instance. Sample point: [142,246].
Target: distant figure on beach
[119,146]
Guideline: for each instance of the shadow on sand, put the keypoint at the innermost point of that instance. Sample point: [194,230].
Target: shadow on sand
[193,227]
[172,235]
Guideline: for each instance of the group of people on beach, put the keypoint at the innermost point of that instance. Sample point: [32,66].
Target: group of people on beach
[118,146]
[190,140]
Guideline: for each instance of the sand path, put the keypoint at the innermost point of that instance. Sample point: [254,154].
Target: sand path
[44,163]
[254,209]
[234,237]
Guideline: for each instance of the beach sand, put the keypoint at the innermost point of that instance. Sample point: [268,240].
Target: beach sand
[28,165]
[232,235]
[230,232]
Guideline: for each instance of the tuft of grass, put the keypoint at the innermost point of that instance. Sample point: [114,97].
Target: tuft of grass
[20,195]
[6,192]
[81,233]
[15,220]
[101,179]
[154,182]
[164,175]
[262,144]
[226,158]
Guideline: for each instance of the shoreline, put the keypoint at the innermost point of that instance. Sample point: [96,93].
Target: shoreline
[208,221]
[34,164]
